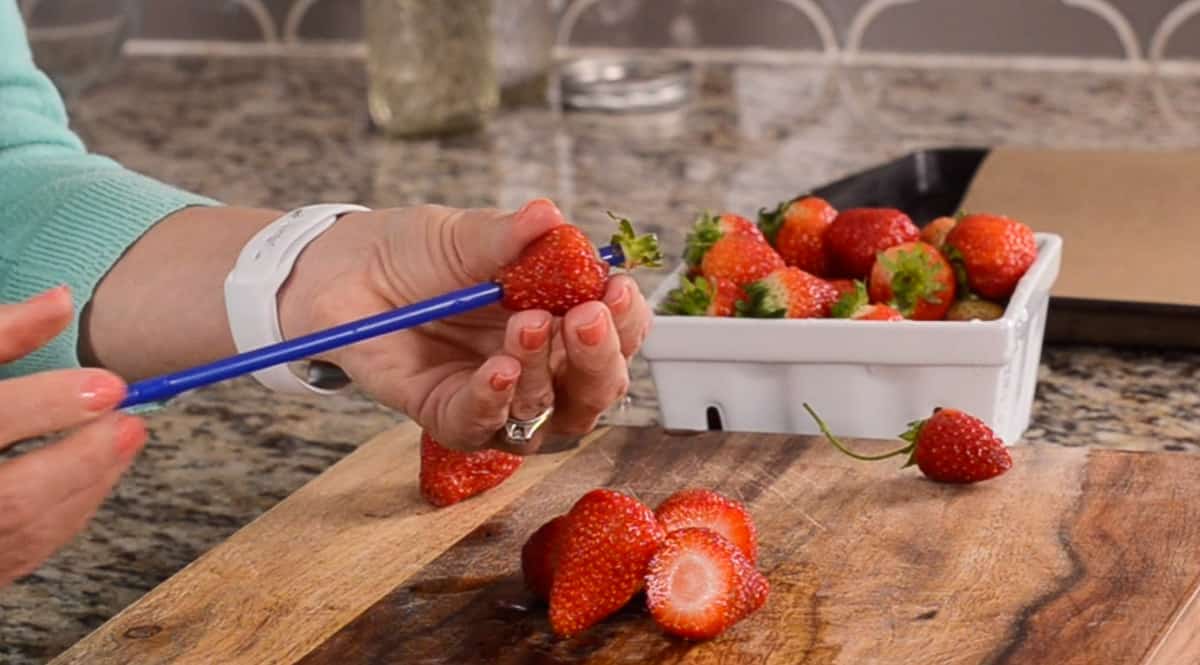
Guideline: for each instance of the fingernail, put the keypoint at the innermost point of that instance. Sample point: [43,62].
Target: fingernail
[47,296]
[101,392]
[537,207]
[131,435]
[619,303]
[593,333]
[501,382]
[533,338]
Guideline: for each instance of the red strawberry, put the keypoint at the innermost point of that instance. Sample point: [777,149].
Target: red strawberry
[915,279]
[844,286]
[951,446]
[740,259]
[797,231]
[700,584]
[787,293]
[857,235]
[606,544]
[709,228]
[856,305]
[539,557]
[709,510]
[702,296]
[994,252]
[449,476]
[935,232]
[561,269]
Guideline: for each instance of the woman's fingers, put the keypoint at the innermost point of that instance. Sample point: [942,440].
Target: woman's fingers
[46,496]
[26,326]
[630,311]
[473,404]
[528,340]
[48,402]
[596,375]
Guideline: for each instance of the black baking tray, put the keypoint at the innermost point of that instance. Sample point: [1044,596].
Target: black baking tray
[932,183]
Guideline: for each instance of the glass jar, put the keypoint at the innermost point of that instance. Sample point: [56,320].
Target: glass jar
[430,65]
[78,43]
[524,33]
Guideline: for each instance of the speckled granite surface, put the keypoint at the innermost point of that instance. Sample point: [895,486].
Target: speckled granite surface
[289,133]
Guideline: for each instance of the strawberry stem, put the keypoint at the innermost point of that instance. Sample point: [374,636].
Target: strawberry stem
[838,444]
[638,250]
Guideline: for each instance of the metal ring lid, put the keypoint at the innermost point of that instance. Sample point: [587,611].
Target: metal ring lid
[625,84]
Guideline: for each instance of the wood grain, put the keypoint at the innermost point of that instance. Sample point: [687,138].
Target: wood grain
[1057,563]
[290,579]
[1075,556]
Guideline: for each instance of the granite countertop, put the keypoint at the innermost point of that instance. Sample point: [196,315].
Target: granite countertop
[287,133]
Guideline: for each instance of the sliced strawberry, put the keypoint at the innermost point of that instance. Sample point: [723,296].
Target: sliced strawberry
[741,259]
[711,296]
[562,269]
[699,585]
[539,557]
[449,476]
[607,542]
[709,228]
[787,293]
[709,510]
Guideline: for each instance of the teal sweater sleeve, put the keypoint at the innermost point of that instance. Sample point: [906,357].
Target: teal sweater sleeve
[66,216]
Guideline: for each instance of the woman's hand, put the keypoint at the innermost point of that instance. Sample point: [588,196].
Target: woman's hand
[49,494]
[461,378]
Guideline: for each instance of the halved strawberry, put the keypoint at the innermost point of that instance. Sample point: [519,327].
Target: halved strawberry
[914,278]
[699,585]
[797,231]
[710,510]
[702,296]
[539,557]
[787,293]
[449,476]
[856,305]
[741,259]
[607,542]
[857,235]
[561,269]
[709,228]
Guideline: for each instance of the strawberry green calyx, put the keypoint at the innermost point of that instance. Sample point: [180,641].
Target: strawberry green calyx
[761,302]
[770,221]
[705,232]
[914,277]
[910,449]
[691,298]
[638,250]
[851,302]
[957,262]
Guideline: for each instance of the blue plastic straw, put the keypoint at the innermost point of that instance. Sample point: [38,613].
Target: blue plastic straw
[167,386]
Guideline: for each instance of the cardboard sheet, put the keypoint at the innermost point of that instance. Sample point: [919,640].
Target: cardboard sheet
[1130,221]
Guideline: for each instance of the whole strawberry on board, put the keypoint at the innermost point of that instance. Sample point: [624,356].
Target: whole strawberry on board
[702,296]
[796,229]
[993,251]
[858,306]
[605,546]
[449,476]
[561,269]
[951,446]
[708,229]
[699,585]
[787,293]
[858,234]
[915,279]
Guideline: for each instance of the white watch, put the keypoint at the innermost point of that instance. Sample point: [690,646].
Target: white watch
[252,287]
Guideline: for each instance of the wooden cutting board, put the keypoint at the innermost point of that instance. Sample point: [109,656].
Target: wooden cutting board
[1075,556]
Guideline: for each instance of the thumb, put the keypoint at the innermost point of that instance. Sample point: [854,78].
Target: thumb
[486,241]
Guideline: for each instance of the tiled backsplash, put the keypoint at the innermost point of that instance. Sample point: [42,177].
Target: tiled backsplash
[1115,29]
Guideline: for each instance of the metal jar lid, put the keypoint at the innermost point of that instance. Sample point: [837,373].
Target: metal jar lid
[625,84]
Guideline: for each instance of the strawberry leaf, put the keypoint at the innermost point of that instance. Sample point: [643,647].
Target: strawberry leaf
[769,222]
[705,232]
[638,250]
[850,302]
[914,278]
[759,303]
[691,298]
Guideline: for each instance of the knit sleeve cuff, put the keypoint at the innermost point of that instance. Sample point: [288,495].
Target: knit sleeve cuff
[77,242]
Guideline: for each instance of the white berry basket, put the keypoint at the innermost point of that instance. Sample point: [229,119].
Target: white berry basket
[865,378]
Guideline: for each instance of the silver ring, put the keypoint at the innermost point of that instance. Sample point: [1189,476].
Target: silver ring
[520,432]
